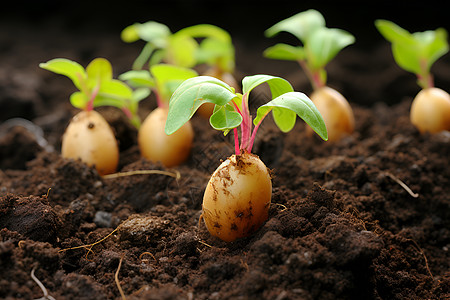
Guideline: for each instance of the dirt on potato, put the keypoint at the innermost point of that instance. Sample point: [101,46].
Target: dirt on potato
[367,217]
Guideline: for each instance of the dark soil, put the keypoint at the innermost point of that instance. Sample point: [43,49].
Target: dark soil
[342,223]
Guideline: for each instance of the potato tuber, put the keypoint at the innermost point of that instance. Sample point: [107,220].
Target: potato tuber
[156,145]
[430,110]
[336,112]
[90,139]
[237,198]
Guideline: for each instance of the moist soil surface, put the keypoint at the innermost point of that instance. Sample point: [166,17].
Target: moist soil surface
[367,217]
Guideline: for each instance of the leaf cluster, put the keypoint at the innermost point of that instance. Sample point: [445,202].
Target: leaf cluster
[414,52]
[96,85]
[188,47]
[320,43]
[229,106]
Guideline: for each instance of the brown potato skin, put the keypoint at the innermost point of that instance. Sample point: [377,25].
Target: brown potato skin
[206,109]
[156,145]
[336,112]
[430,110]
[90,139]
[237,198]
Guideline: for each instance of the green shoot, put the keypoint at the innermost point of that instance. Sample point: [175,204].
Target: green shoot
[232,109]
[96,87]
[415,52]
[320,44]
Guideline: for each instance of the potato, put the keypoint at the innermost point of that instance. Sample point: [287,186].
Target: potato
[237,198]
[156,145]
[90,139]
[430,110]
[336,112]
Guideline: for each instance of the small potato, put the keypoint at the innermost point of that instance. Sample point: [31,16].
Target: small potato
[237,198]
[430,110]
[90,138]
[156,145]
[207,109]
[336,112]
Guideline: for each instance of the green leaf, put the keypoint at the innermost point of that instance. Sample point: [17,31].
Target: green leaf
[191,94]
[301,25]
[285,108]
[66,67]
[78,100]
[325,44]
[169,77]
[225,118]
[181,51]
[99,70]
[206,31]
[277,85]
[138,78]
[216,53]
[285,52]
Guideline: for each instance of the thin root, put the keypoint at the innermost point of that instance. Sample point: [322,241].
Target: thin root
[147,253]
[283,206]
[116,277]
[403,185]
[175,174]
[424,257]
[39,283]
[90,246]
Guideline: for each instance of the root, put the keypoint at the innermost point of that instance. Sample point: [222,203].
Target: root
[402,184]
[427,267]
[147,253]
[90,246]
[175,174]
[39,283]
[283,206]
[116,277]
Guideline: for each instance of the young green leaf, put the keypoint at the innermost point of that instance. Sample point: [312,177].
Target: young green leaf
[325,44]
[66,67]
[225,118]
[138,78]
[301,25]
[285,52]
[286,107]
[99,70]
[191,94]
[277,85]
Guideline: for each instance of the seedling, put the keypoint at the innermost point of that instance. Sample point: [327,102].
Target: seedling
[88,136]
[320,46]
[416,53]
[237,198]
[154,144]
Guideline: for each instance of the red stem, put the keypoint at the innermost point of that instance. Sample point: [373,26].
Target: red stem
[90,104]
[236,141]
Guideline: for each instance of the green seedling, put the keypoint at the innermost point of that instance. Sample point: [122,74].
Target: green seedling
[154,144]
[416,53]
[320,46]
[88,136]
[237,198]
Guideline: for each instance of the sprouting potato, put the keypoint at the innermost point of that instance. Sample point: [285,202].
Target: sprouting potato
[237,198]
[336,112]
[430,110]
[90,139]
[156,145]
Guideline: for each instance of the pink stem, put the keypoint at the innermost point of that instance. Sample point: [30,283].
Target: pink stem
[236,141]
[90,104]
